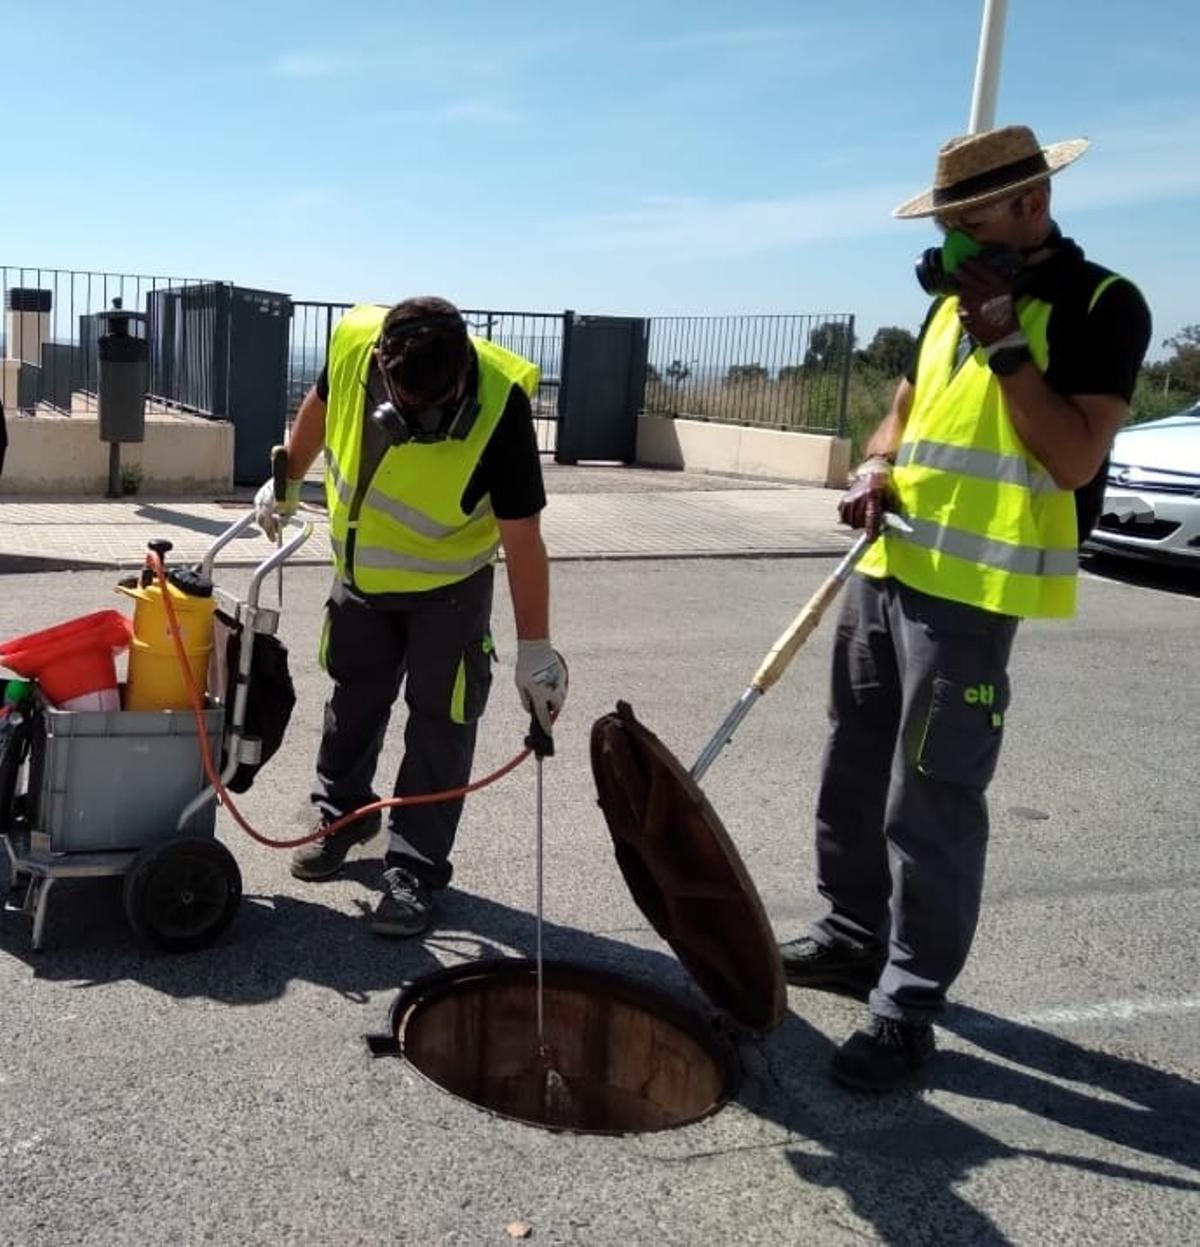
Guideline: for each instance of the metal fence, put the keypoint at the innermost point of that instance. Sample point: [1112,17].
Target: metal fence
[781,372]
[48,352]
[789,372]
[537,336]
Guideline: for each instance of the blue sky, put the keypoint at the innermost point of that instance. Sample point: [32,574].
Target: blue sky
[628,158]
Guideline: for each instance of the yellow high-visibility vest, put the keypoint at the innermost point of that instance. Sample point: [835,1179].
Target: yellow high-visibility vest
[992,529]
[411,533]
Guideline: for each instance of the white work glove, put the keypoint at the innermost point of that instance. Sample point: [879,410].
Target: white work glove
[541,679]
[268,512]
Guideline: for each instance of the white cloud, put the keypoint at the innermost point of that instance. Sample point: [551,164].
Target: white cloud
[486,112]
[424,60]
[1135,164]
[1129,164]
[472,110]
[702,229]
[306,200]
[730,37]
[822,34]
[306,65]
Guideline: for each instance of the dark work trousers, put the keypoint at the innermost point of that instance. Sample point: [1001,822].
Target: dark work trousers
[920,690]
[439,645]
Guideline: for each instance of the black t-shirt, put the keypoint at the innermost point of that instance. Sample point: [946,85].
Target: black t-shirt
[1096,351]
[510,469]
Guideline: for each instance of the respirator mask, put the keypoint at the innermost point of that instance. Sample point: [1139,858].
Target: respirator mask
[451,417]
[937,266]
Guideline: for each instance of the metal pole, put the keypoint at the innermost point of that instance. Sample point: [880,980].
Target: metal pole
[114,469]
[987,67]
[541,988]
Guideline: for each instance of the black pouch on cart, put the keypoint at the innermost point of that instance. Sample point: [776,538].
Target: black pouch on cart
[271,695]
[18,730]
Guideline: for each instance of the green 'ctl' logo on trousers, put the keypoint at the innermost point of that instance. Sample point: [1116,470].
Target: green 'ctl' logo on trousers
[980,695]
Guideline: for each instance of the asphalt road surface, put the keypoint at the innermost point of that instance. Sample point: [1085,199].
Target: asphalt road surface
[227,1096]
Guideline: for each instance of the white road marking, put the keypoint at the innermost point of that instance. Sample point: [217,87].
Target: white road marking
[1113,1011]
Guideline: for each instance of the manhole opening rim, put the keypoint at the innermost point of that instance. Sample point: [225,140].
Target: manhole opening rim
[708,1034]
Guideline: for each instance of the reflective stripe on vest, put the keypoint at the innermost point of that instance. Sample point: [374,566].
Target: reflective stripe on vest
[380,558]
[1024,560]
[986,464]
[334,477]
[418,521]
[410,533]
[991,527]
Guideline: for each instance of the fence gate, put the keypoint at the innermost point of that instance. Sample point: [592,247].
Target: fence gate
[603,380]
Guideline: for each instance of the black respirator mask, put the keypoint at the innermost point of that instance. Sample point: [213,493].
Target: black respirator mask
[402,423]
[937,266]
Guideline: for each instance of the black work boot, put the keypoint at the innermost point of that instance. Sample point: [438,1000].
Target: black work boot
[848,969]
[322,859]
[406,907]
[884,1055]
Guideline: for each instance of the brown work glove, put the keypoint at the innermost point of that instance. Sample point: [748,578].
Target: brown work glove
[863,504]
[985,304]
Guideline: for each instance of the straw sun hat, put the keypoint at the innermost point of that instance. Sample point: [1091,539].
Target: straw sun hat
[979,168]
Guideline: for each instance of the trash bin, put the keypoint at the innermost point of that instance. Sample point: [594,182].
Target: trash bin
[124,361]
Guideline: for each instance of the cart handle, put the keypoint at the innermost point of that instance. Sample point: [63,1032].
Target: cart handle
[278,557]
[238,527]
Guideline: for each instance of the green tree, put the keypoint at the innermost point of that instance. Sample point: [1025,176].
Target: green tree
[745,374]
[1182,369]
[891,350]
[1171,384]
[828,345]
[678,372]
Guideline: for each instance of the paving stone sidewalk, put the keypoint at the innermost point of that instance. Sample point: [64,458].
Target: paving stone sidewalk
[592,514]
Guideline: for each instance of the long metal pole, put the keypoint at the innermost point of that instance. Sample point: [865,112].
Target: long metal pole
[987,67]
[541,986]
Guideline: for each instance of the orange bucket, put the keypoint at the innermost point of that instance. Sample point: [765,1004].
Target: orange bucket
[72,660]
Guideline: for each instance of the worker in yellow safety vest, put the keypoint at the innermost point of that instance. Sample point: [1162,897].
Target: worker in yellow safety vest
[995,451]
[431,466]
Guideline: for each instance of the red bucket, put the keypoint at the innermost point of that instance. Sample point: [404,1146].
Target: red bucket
[73,659]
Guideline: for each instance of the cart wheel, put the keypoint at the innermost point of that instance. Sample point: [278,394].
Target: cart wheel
[181,895]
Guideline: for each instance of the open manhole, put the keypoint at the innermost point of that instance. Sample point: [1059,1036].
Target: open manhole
[620,1056]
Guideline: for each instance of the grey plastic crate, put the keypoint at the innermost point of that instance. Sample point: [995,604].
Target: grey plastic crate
[121,779]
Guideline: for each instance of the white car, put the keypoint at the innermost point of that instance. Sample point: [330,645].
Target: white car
[1152,502]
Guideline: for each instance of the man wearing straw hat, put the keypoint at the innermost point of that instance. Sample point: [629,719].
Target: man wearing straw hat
[995,450]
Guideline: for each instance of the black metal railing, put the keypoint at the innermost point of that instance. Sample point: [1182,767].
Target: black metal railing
[781,372]
[537,336]
[785,372]
[312,326]
[50,327]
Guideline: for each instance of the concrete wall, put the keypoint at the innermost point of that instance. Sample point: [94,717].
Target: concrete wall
[703,446]
[24,334]
[54,454]
[10,381]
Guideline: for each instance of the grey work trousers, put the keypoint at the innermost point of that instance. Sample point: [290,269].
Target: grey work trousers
[920,690]
[440,646]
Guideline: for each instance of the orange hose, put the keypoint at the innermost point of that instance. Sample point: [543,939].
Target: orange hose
[429,798]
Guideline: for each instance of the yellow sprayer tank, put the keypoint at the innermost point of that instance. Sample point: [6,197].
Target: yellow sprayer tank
[155,680]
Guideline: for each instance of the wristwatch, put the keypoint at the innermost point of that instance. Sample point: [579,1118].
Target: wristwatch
[1007,355]
[1008,359]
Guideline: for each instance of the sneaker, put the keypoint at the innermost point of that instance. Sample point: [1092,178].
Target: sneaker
[884,1055]
[322,859]
[406,907]
[848,969]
